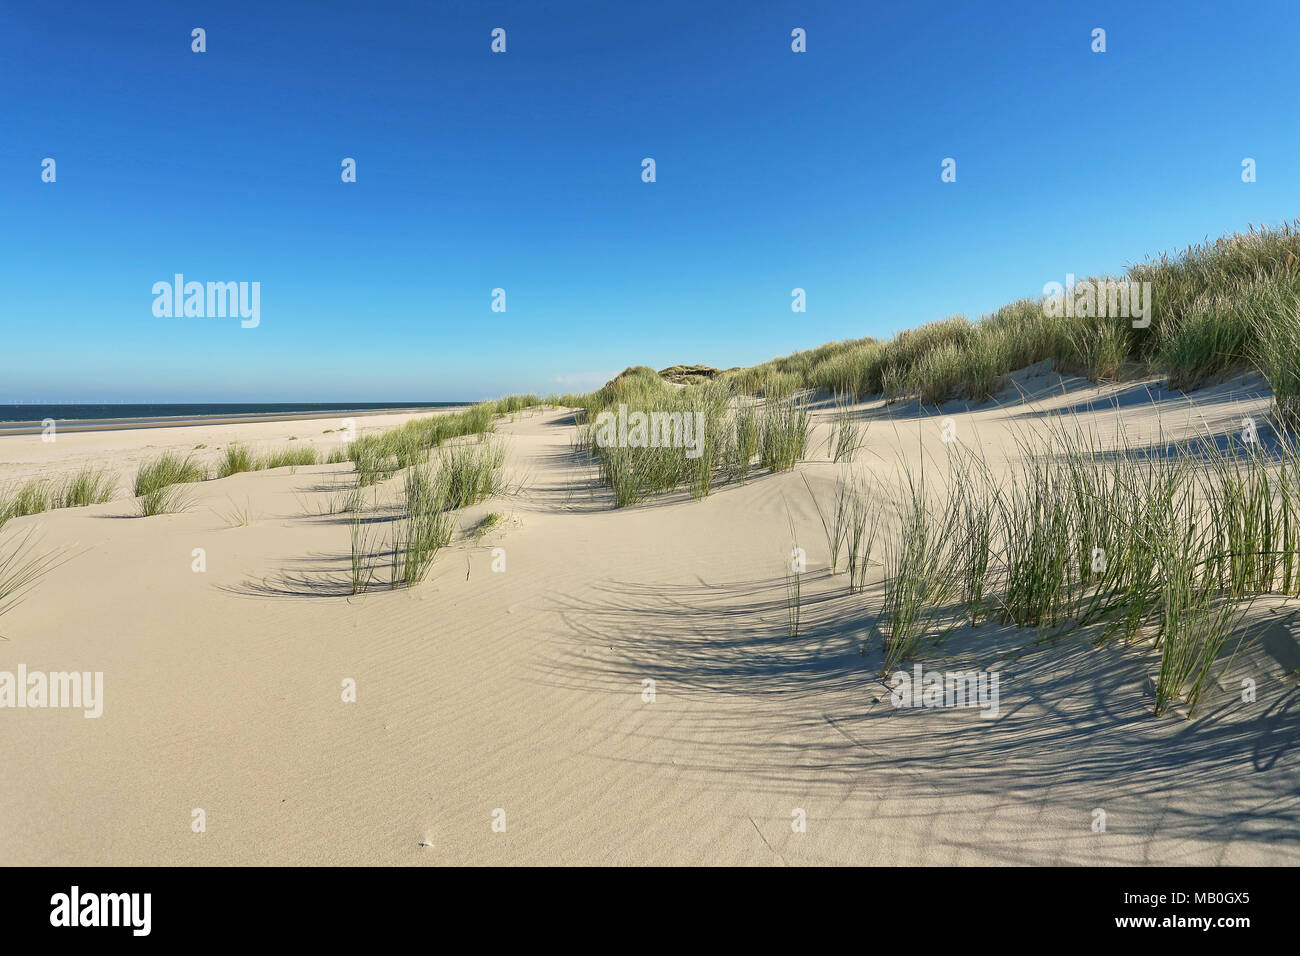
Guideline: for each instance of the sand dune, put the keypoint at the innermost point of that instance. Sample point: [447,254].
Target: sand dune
[523,690]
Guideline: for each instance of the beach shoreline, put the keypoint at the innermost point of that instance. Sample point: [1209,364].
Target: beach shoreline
[70,425]
[120,450]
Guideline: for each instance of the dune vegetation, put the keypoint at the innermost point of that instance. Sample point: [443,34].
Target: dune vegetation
[462,473]
[1217,308]
[89,486]
[380,456]
[158,483]
[424,525]
[22,565]
[433,490]
[236,459]
[291,456]
[720,435]
[1167,545]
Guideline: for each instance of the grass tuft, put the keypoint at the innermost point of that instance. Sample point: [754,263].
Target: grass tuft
[237,459]
[156,483]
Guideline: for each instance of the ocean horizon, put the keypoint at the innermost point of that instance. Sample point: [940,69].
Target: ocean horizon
[149,411]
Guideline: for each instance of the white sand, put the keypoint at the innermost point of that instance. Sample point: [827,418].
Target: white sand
[27,456]
[522,690]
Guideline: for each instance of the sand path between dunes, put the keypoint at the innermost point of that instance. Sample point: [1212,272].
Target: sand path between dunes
[523,691]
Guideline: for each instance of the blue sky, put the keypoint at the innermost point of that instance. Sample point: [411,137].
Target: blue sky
[522,171]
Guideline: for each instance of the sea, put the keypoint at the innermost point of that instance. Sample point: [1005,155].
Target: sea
[19,418]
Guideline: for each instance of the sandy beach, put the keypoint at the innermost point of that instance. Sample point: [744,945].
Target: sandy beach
[121,450]
[518,696]
[73,426]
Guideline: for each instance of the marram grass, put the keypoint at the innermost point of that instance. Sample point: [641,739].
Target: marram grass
[1163,546]
[1216,309]
[157,483]
[21,567]
[88,486]
[424,526]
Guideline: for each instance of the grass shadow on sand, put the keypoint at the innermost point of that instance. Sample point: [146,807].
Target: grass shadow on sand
[805,720]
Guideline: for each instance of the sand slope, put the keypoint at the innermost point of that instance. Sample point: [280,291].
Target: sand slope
[522,690]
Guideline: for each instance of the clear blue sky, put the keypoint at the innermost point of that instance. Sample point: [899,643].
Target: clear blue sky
[523,171]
